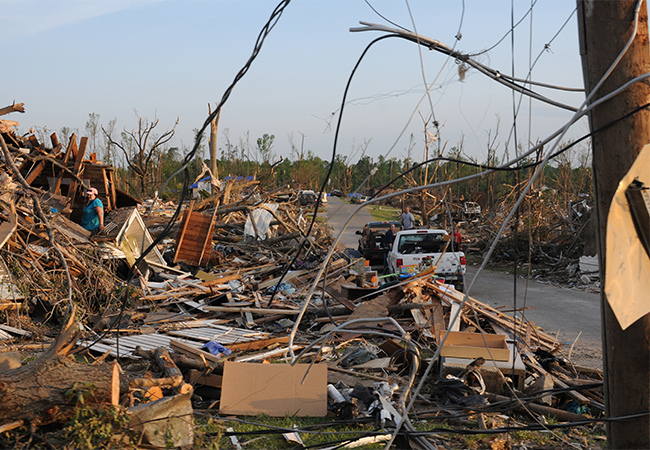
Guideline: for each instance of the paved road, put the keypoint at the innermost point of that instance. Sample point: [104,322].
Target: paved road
[338,212]
[567,311]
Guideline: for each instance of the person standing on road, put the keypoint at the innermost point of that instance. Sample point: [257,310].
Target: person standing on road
[388,240]
[407,219]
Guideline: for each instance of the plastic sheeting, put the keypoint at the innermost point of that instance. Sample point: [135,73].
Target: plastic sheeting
[262,219]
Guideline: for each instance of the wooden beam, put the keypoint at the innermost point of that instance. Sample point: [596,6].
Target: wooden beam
[109,203]
[237,309]
[72,148]
[56,145]
[34,141]
[179,239]
[35,172]
[16,107]
[78,164]
[208,237]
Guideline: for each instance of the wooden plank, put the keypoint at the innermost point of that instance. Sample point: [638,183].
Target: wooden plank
[17,331]
[258,344]
[109,203]
[208,238]
[72,191]
[222,280]
[196,233]
[231,309]
[474,345]
[34,141]
[438,319]
[71,150]
[56,146]
[112,192]
[35,172]
[179,238]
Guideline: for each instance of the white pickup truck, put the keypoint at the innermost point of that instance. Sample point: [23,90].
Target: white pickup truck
[413,249]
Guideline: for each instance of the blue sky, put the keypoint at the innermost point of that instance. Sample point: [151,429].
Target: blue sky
[168,59]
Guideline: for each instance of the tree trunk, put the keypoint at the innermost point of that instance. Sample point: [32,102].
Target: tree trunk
[40,391]
[44,391]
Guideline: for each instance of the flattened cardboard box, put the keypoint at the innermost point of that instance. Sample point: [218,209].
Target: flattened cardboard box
[274,389]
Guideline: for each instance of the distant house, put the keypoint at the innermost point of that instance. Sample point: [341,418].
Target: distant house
[202,185]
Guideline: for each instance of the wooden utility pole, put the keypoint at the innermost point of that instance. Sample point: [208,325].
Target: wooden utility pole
[212,142]
[605,26]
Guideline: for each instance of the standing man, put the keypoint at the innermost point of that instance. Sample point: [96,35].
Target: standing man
[407,219]
[388,240]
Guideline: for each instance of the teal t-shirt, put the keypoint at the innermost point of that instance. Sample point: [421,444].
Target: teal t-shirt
[90,219]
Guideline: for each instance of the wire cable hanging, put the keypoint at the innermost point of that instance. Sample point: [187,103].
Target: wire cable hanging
[433,44]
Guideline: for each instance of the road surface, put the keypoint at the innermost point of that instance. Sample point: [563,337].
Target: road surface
[569,313]
[338,212]
[565,312]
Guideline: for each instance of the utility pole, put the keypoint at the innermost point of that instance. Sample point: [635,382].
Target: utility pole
[605,26]
[212,142]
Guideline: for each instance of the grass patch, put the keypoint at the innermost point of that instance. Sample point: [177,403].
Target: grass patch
[212,434]
[319,218]
[383,214]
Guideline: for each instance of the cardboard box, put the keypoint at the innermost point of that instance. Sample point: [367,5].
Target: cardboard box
[474,345]
[274,389]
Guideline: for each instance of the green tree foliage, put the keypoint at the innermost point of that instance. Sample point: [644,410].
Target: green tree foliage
[146,161]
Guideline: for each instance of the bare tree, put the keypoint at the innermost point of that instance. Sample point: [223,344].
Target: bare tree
[92,130]
[139,147]
[423,176]
[109,157]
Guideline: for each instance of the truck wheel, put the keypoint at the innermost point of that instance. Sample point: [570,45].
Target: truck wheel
[460,287]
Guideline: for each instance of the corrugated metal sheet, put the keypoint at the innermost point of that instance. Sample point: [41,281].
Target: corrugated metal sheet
[195,337]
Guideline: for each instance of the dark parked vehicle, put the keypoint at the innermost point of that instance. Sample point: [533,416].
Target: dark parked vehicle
[336,193]
[371,242]
[307,198]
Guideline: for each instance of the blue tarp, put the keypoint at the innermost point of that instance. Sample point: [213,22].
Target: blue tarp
[203,180]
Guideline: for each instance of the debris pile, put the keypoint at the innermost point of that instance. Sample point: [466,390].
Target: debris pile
[551,241]
[182,335]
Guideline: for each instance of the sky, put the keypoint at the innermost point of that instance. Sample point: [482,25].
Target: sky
[169,59]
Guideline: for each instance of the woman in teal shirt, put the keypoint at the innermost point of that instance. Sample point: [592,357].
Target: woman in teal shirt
[93,213]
